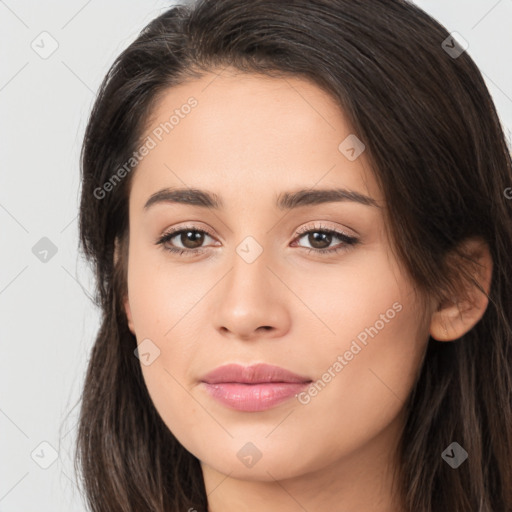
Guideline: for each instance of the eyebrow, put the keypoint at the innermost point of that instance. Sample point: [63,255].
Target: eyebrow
[284,201]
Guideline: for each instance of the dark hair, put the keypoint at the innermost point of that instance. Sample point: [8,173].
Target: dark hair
[439,154]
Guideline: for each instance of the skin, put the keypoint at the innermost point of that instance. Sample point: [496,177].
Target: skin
[249,139]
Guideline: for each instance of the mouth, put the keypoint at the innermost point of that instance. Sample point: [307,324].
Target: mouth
[253,388]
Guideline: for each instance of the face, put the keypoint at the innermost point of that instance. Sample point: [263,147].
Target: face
[308,283]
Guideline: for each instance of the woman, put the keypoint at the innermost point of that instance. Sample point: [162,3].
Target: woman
[298,224]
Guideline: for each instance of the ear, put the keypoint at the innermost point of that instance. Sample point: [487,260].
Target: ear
[128,312]
[454,318]
[126,302]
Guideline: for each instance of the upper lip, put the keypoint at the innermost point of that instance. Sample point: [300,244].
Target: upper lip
[255,374]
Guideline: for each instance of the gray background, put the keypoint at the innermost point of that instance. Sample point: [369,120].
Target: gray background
[48,322]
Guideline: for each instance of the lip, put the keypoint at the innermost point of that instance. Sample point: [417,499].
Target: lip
[255,374]
[253,388]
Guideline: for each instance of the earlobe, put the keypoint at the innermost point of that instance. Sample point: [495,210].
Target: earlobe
[454,318]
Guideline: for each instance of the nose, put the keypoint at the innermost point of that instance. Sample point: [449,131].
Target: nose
[252,302]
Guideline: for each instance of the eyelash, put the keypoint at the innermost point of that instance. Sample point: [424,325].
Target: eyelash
[348,241]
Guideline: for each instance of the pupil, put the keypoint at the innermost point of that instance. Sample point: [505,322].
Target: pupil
[322,237]
[192,239]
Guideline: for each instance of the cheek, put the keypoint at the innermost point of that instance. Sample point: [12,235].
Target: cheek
[161,296]
[161,307]
[372,345]
[366,374]
[341,301]
[163,318]
[162,314]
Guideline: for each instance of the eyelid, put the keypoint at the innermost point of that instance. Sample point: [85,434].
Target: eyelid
[301,231]
[187,227]
[348,241]
[322,227]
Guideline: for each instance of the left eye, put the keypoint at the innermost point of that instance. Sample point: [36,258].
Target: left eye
[324,238]
[192,239]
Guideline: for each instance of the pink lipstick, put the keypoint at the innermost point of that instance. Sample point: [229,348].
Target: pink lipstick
[253,388]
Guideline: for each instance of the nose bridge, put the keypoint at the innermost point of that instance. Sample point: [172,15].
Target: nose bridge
[251,297]
[250,275]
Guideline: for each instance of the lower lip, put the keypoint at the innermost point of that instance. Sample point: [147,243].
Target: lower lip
[254,397]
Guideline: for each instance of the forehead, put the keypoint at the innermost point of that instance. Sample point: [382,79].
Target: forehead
[234,132]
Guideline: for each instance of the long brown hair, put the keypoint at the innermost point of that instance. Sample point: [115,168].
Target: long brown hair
[439,154]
